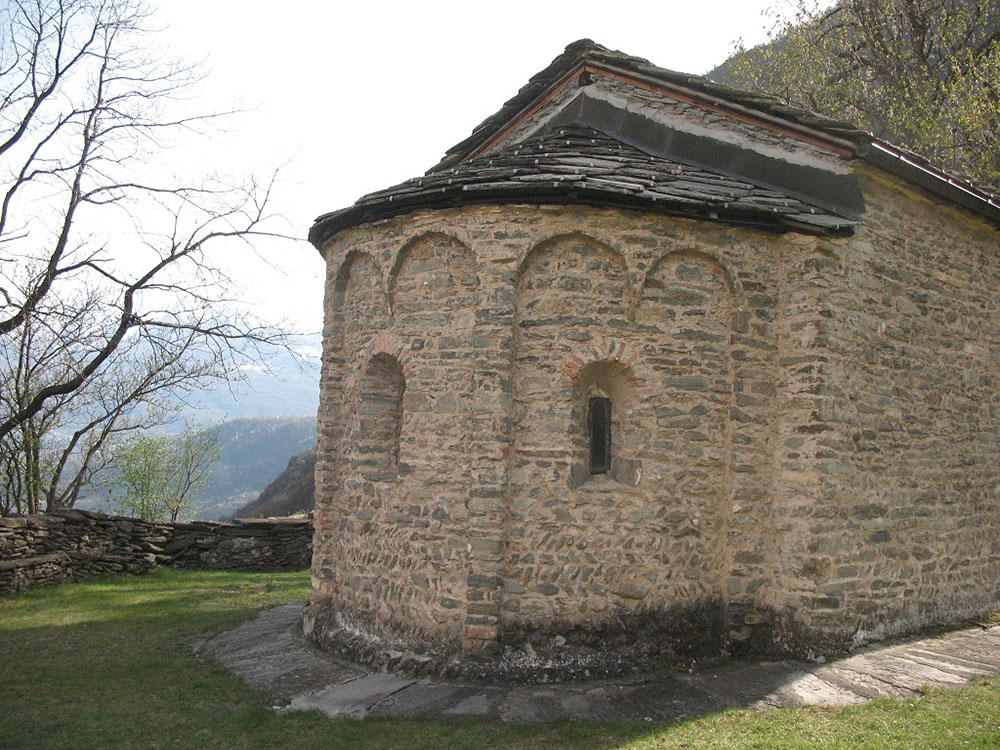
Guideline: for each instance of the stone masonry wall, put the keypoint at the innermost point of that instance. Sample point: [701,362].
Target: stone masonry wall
[804,429]
[489,526]
[74,545]
[902,528]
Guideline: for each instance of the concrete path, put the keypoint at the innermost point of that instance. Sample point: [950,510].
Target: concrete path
[270,653]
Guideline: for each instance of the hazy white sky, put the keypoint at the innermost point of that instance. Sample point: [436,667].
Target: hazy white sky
[353,97]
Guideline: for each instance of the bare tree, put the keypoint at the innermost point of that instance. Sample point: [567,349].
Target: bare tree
[109,297]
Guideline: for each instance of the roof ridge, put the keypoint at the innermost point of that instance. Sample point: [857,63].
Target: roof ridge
[586,50]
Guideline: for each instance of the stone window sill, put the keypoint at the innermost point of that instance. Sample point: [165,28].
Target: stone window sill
[604,483]
[624,476]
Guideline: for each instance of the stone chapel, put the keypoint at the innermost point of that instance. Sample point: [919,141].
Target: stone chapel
[647,365]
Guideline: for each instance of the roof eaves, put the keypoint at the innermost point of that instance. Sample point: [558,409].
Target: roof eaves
[913,168]
[555,192]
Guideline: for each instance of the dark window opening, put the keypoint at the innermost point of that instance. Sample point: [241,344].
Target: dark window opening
[599,428]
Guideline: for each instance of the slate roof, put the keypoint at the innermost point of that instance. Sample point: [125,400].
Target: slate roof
[586,51]
[573,164]
[579,165]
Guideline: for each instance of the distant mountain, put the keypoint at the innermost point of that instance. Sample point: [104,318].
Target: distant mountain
[291,492]
[254,451]
[287,385]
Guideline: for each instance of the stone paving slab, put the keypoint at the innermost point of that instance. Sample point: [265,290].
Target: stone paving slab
[982,647]
[270,653]
[966,666]
[863,685]
[423,699]
[353,698]
[808,689]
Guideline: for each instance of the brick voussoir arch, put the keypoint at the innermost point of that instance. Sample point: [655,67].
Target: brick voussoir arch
[389,344]
[599,349]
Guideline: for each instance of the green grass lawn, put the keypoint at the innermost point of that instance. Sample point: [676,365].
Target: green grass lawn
[109,664]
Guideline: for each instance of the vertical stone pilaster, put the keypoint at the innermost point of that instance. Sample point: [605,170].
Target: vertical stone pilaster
[802,515]
[328,427]
[488,452]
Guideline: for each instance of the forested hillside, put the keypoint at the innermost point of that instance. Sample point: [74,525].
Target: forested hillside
[923,75]
[254,452]
[291,492]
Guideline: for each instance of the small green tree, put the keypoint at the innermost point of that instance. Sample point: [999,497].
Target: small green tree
[158,477]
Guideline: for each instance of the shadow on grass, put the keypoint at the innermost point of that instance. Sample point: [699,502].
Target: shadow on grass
[107,665]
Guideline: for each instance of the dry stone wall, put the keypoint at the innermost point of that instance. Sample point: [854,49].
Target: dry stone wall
[803,431]
[74,545]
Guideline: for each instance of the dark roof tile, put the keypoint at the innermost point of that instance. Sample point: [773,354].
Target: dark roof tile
[589,163]
[571,163]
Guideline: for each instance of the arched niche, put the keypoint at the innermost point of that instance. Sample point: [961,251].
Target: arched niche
[688,300]
[569,284]
[378,422]
[359,306]
[577,269]
[433,288]
[571,300]
[433,277]
[570,288]
[355,311]
[694,256]
[687,307]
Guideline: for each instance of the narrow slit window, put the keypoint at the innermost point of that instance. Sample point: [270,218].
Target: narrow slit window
[599,426]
